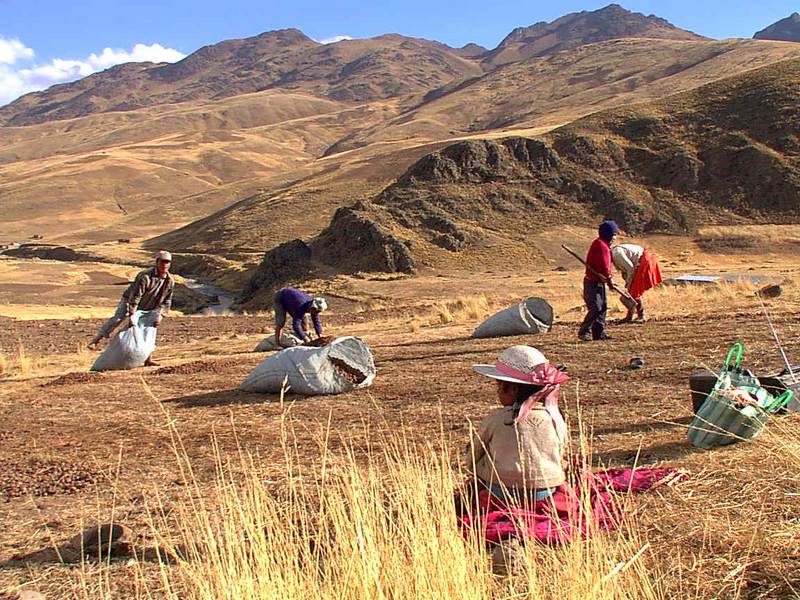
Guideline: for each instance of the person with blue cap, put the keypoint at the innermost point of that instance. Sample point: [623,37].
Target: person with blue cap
[595,279]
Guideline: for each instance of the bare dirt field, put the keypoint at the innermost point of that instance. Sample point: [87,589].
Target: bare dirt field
[77,447]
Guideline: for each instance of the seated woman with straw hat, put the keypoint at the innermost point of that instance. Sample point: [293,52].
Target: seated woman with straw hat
[516,453]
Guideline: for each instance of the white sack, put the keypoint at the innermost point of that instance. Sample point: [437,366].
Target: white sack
[532,315]
[312,371]
[269,344]
[130,347]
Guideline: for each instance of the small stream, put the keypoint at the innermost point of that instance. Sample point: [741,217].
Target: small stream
[225,298]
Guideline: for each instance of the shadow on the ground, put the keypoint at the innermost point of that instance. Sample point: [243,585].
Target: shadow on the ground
[69,554]
[671,450]
[226,398]
[416,344]
[679,422]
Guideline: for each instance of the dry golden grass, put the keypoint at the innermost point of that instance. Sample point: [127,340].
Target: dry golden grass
[361,523]
[23,365]
[19,364]
[462,309]
[757,234]
[37,312]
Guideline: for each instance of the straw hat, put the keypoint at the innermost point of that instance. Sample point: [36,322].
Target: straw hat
[523,359]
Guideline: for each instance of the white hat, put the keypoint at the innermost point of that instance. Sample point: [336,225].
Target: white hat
[320,304]
[523,359]
[163,255]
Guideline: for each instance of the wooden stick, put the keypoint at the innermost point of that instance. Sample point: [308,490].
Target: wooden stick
[605,279]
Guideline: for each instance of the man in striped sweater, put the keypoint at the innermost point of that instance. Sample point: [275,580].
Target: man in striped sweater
[151,290]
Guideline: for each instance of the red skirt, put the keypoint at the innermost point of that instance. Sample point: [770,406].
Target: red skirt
[647,275]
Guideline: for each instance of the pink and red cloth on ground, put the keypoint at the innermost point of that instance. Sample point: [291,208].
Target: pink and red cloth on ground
[570,513]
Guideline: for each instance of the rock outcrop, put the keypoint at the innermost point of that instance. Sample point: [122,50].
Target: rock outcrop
[289,262]
[353,242]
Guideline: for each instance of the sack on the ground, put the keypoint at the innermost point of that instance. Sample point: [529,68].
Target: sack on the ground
[532,315]
[288,340]
[130,347]
[737,408]
[343,365]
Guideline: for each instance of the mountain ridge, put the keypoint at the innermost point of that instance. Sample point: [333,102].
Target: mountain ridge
[785,30]
[382,67]
[581,28]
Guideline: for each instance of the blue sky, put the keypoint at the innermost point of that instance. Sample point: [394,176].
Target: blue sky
[44,41]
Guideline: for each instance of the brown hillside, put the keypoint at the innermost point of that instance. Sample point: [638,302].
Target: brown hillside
[554,90]
[353,70]
[293,158]
[728,152]
[368,160]
[578,29]
[142,172]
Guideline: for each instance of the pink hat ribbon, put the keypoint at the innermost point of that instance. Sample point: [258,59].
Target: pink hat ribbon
[548,376]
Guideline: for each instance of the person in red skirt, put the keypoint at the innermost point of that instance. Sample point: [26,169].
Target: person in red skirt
[640,268]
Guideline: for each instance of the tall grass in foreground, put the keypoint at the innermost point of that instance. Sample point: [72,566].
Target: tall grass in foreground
[364,524]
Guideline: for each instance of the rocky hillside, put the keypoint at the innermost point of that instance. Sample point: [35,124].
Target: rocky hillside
[728,152]
[388,66]
[578,29]
[785,30]
[207,164]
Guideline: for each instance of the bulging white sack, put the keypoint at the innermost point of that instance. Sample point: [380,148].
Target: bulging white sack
[532,315]
[289,340]
[343,365]
[130,347]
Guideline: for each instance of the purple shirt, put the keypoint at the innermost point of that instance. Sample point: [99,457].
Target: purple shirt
[297,304]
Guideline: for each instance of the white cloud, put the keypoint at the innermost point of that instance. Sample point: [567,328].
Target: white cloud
[334,39]
[140,53]
[13,50]
[18,79]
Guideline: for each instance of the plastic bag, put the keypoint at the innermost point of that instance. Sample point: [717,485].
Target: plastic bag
[130,347]
[289,340]
[343,365]
[737,408]
[532,315]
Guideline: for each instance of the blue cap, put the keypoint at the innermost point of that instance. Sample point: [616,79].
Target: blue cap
[607,230]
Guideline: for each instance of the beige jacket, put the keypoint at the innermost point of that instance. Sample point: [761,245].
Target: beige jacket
[626,258]
[526,455]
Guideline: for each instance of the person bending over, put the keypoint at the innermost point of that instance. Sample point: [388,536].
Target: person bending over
[151,290]
[640,269]
[516,452]
[298,304]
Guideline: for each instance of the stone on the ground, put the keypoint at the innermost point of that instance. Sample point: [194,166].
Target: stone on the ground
[771,291]
[509,558]
[100,538]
